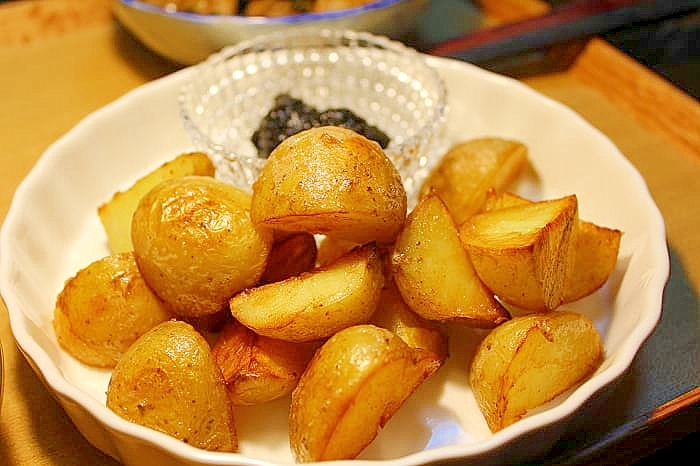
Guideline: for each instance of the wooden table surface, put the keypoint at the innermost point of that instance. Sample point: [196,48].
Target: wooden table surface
[62,59]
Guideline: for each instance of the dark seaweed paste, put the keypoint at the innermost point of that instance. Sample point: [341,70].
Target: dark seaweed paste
[290,115]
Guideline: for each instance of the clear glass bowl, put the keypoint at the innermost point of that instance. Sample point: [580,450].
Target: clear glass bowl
[385,82]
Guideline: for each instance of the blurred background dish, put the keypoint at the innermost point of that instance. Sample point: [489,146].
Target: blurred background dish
[188,38]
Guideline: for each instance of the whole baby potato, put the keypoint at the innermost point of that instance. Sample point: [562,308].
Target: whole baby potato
[195,244]
[104,308]
[334,181]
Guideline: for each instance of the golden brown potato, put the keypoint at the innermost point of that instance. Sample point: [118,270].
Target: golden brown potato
[353,385]
[428,338]
[595,255]
[258,369]
[469,169]
[530,360]
[291,254]
[168,380]
[116,213]
[330,249]
[196,245]
[523,252]
[595,251]
[433,272]
[496,200]
[316,304]
[331,181]
[104,308]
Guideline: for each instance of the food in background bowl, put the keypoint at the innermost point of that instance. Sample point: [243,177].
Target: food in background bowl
[257,7]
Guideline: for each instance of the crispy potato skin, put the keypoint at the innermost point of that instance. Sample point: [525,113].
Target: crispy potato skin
[314,305]
[116,213]
[349,391]
[433,272]
[168,380]
[104,308]
[472,167]
[196,245]
[530,360]
[333,181]
[258,369]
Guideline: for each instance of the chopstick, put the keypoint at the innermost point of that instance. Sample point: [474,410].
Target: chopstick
[574,20]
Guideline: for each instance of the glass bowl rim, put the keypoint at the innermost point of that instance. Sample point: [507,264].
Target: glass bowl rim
[260,43]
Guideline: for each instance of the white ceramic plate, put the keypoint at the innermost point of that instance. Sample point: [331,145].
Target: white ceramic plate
[52,230]
[188,38]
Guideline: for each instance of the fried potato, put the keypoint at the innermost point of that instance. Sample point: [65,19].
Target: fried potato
[595,251]
[104,308]
[433,272]
[595,255]
[196,245]
[291,254]
[168,380]
[424,335]
[530,360]
[316,304]
[467,171]
[522,252]
[116,213]
[330,249]
[333,181]
[258,369]
[496,200]
[351,388]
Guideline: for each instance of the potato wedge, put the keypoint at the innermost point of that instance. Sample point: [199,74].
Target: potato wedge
[595,251]
[258,369]
[291,254]
[433,272]
[333,181]
[424,335]
[330,249]
[316,304]
[523,252]
[195,244]
[351,388]
[116,213]
[104,308]
[496,200]
[529,361]
[595,255]
[168,381]
[470,168]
